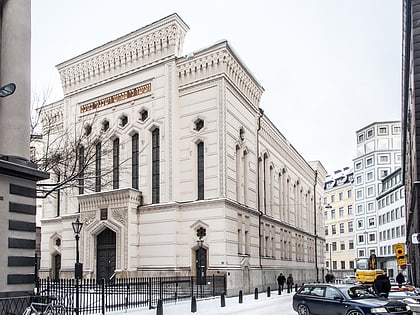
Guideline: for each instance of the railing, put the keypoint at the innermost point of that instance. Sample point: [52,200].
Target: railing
[121,294]
[14,305]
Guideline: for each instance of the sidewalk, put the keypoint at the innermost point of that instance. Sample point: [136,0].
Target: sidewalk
[275,304]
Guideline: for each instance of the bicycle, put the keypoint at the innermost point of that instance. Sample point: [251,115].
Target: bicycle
[42,308]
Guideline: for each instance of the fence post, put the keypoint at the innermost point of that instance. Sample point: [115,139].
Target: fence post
[193,304]
[268,292]
[256,294]
[222,300]
[126,297]
[214,286]
[150,293]
[296,287]
[159,309]
[241,297]
[103,295]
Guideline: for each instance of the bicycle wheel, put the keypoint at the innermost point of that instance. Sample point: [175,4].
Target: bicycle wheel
[55,310]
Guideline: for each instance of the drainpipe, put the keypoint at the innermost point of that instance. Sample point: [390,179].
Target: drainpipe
[315,231]
[258,187]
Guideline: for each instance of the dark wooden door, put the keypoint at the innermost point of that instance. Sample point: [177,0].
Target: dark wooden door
[105,254]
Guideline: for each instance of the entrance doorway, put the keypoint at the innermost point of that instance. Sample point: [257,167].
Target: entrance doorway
[105,253]
[56,267]
[201,265]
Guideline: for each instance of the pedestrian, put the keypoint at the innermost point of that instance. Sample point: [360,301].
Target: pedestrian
[382,285]
[329,278]
[281,279]
[289,283]
[400,279]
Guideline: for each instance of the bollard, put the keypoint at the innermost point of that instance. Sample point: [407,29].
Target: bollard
[159,309]
[256,294]
[296,287]
[222,300]
[193,305]
[268,292]
[241,297]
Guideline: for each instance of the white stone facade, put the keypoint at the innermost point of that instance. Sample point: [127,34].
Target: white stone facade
[183,146]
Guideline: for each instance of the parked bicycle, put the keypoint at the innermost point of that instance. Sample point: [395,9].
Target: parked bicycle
[45,305]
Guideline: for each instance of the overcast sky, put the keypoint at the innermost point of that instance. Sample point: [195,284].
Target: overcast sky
[328,67]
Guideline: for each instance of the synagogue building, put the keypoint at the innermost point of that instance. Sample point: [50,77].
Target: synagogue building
[172,167]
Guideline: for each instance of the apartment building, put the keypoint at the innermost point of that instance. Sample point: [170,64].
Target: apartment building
[339,220]
[378,156]
[391,221]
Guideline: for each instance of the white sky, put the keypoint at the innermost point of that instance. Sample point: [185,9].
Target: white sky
[328,67]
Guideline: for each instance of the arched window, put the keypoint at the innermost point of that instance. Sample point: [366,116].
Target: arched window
[135,161]
[81,157]
[155,166]
[98,167]
[116,163]
[200,170]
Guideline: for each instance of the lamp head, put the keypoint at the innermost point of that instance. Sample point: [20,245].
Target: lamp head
[77,226]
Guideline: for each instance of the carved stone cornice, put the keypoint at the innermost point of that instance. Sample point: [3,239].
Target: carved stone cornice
[112,198]
[159,40]
[216,60]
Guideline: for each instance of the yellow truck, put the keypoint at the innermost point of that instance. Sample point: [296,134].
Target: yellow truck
[366,271]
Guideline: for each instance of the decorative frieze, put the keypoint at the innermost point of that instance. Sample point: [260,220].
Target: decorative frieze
[157,41]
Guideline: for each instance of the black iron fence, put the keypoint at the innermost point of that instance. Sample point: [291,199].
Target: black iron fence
[120,294]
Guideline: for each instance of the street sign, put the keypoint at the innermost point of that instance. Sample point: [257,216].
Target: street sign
[400,254]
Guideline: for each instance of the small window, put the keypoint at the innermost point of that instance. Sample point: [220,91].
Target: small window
[242,134]
[358,165]
[370,133]
[58,242]
[383,130]
[360,138]
[88,129]
[144,114]
[104,214]
[198,124]
[105,125]
[123,121]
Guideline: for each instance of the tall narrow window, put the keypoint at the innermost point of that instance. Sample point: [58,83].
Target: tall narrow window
[238,174]
[58,195]
[98,167]
[200,170]
[116,163]
[245,178]
[81,170]
[135,161]
[155,166]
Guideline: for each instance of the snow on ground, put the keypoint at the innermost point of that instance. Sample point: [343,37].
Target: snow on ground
[275,304]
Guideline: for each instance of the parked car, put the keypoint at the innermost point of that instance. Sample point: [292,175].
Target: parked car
[349,279]
[329,299]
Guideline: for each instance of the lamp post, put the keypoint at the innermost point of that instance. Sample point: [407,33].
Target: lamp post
[77,227]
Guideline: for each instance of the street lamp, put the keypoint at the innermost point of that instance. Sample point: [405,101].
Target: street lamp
[7,90]
[77,227]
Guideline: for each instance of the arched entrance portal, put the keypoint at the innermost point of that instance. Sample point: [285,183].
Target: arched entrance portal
[105,254]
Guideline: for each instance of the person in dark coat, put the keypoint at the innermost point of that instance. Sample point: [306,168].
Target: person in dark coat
[382,285]
[281,279]
[400,279]
[289,283]
[329,278]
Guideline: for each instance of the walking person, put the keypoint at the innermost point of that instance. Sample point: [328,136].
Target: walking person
[289,283]
[382,285]
[400,279]
[281,279]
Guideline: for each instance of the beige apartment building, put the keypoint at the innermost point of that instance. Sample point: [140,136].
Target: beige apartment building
[339,219]
[177,170]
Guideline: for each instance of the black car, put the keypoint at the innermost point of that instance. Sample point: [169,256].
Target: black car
[342,299]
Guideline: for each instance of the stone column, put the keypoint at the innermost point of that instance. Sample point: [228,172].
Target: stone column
[15,65]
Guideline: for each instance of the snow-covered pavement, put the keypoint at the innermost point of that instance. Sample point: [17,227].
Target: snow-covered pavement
[275,304]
